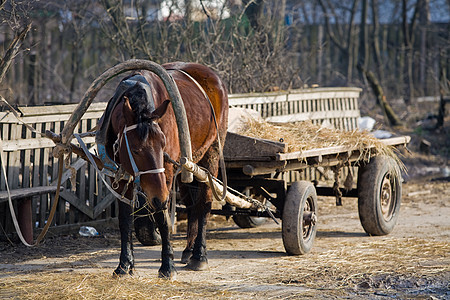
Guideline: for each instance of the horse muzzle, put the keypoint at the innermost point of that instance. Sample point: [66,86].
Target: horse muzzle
[157,205]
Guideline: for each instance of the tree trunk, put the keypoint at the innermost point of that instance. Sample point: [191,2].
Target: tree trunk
[443,90]
[12,50]
[344,43]
[377,89]
[408,40]
[424,20]
[376,41]
[363,39]
[320,53]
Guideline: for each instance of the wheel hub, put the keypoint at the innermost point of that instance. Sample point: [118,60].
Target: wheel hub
[386,197]
[309,218]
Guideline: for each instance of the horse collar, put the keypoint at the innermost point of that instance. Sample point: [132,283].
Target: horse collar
[101,137]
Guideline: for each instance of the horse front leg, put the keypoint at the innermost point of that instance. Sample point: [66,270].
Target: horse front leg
[167,269]
[126,261]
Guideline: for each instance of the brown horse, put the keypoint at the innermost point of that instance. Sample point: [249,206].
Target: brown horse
[142,130]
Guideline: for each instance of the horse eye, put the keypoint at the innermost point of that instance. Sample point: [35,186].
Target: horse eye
[136,151]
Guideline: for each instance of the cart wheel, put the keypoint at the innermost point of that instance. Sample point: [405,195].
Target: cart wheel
[244,221]
[299,218]
[379,195]
[144,229]
[146,232]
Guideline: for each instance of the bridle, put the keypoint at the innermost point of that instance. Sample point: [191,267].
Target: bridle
[136,173]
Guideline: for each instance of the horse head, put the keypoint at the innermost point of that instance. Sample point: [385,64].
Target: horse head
[141,144]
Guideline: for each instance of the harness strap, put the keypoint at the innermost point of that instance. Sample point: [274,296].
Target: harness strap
[136,171]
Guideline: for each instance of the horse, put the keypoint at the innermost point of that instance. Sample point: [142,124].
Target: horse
[143,129]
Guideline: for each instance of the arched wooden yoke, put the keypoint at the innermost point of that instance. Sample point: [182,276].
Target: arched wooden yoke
[134,64]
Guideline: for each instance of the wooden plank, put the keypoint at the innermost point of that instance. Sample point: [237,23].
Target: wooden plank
[402,140]
[33,143]
[67,173]
[78,203]
[293,95]
[44,179]
[14,159]
[82,170]
[26,164]
[242,146]
[103,204]
[92,183]
[319,115]
[10,118]
[73,228]
[5,134]
[58,109]
[26,192]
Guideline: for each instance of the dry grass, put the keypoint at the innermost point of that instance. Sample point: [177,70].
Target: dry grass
[100,285]
[301,136]
[378,263]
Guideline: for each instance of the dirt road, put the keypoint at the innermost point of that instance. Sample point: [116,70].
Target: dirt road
[412,262]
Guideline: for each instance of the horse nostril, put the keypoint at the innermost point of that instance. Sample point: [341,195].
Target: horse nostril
[158,204]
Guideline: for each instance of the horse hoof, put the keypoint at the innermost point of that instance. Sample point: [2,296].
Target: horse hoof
[197,265]
[170,274]
[186,256]
[121,271]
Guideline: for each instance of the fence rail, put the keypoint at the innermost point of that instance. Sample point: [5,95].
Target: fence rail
[30,164]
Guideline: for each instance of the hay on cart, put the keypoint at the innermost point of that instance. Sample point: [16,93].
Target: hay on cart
[302,136]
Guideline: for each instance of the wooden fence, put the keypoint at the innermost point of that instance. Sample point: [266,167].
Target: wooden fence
[336,106]
[30,164]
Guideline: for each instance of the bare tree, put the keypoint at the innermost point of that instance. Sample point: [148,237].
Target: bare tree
[21,26]
[408,27]
[343,41]
[376,40]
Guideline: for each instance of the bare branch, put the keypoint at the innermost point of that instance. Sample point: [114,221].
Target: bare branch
[12,50]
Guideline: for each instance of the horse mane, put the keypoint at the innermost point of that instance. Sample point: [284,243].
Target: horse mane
[142,110]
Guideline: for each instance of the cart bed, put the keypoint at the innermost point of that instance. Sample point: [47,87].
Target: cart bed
[259,156]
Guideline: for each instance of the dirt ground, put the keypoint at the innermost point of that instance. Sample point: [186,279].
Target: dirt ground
[412,262]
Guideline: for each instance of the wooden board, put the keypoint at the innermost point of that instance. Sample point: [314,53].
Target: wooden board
[26,192]
[402,140]
[239,147]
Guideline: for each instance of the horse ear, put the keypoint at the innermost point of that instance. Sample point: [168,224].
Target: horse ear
[160,110]
[127,110]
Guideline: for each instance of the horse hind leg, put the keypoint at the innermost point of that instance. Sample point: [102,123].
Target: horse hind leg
[201,212]
[189,194]
[198,261]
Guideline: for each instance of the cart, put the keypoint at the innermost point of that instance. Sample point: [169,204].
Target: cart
[255,168]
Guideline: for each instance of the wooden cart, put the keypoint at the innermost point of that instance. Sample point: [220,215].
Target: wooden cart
[255,168]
